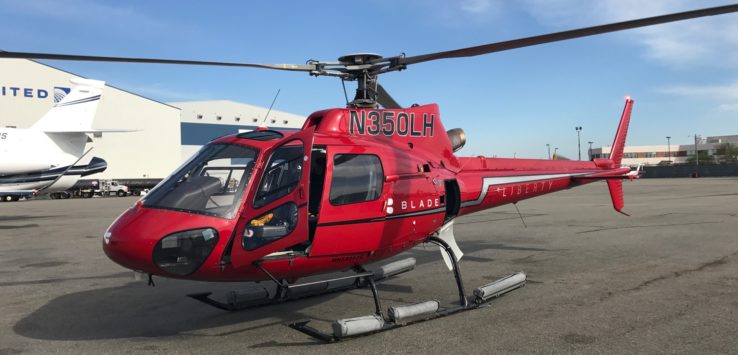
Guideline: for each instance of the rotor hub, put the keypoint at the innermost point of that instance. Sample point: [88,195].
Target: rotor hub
[358,58]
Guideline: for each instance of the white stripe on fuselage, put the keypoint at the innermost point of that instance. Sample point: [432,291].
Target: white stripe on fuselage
[504,180]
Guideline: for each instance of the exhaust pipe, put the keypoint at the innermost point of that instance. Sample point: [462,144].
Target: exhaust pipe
[457,137]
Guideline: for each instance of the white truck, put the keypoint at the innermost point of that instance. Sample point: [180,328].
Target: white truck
[105,188]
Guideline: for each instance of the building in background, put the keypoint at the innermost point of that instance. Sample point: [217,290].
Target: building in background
[27,91]
[165,136]
[659,154]
[203,121]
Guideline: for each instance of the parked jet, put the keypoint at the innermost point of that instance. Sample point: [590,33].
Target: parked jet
[44,157]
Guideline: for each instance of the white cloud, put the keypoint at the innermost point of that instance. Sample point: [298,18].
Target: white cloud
[711,41]
[729,107]
[726,94]
[455,14]
[479,7]
[720,92]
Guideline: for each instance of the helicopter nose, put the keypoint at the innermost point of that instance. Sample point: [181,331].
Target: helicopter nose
[162,242]
[125,251]
[124,244]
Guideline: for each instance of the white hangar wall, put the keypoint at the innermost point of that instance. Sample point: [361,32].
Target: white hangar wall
[153,151]
[202,121]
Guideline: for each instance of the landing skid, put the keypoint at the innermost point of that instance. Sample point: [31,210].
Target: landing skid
[240,300]
[397,316]
[405,315]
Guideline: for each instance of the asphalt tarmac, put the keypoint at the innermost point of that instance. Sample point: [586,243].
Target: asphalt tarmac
[664,280]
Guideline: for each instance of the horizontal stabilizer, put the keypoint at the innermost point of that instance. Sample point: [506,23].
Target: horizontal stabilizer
[618,177]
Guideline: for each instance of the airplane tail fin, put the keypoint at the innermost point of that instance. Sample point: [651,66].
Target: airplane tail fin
[75,112]
[616,154]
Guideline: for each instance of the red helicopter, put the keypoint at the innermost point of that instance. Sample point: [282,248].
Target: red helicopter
[354,186]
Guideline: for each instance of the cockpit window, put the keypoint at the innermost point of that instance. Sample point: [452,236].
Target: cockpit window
[212,183]
[282,174]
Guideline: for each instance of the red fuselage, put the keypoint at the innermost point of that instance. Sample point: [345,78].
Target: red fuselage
[368,184]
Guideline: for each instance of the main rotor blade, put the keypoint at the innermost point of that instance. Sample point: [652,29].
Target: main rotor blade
[570,34]
[384,98]
[90,58]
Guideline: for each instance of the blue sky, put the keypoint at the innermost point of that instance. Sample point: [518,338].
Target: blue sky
[683,76]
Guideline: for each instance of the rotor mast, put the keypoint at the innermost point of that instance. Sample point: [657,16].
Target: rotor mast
[364,68]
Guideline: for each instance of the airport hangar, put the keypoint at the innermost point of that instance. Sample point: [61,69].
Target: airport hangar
[165,135]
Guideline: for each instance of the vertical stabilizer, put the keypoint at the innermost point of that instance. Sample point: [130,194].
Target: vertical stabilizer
[74,113]
[616,194]
[616,154]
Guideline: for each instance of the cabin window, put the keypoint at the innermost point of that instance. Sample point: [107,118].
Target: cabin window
[356,178]
[282,174]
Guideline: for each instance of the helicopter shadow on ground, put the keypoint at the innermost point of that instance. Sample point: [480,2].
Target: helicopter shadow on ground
[136,310]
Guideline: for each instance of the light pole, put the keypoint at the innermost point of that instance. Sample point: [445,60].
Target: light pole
[590,150]
[555,150]
[579,145]
[668,148]
[696,152]
[548,146]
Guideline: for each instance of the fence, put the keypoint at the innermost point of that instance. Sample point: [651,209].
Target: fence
[689,170]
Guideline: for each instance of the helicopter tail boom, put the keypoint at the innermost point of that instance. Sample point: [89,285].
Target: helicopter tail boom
[490,182]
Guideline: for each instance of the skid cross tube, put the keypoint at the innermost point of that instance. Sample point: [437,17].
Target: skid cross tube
[363,278]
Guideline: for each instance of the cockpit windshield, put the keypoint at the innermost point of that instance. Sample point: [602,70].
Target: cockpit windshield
[212,183]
